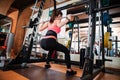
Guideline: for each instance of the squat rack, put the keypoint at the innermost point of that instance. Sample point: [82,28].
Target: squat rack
[89,72]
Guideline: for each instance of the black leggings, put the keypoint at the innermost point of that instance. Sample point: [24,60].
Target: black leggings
[51,45]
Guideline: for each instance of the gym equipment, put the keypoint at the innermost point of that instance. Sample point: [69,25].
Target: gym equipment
[76,20]
[20,58]
[98,63]
[109,44]
[10,42]
[31,22]
[116,44]
[82,57]
[2,38]
[70,24]
[77,3]
[109,29]
[106,8]
[106,39]
[100,40]
[88,55]
[88,71]
[50,12]
[65,17]
[2,57]
[68,43]
[106,19]
[70,34]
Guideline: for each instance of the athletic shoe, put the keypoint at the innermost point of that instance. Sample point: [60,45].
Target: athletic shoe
[47,66]
[70,73]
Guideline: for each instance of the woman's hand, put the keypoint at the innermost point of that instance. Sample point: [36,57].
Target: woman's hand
[70,17]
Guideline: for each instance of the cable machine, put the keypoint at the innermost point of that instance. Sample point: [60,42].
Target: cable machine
[24,56]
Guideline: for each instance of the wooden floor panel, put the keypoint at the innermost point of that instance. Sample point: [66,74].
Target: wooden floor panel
[36,71]
[105,76]
[11,75]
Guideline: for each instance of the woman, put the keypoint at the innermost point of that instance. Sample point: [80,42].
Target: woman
[49,41]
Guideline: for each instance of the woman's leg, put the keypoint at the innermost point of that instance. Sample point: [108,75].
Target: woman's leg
[62,48]
[49,56]
[48,59]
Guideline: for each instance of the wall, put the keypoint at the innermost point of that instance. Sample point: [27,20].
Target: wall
[5,5]
[23,20]
[14,16]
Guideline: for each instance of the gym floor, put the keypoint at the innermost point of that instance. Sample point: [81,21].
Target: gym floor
[36,71]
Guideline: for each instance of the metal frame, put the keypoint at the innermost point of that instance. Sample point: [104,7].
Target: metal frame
[24,55]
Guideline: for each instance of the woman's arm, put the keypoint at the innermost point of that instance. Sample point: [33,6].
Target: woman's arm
[43,26]
[67,19]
